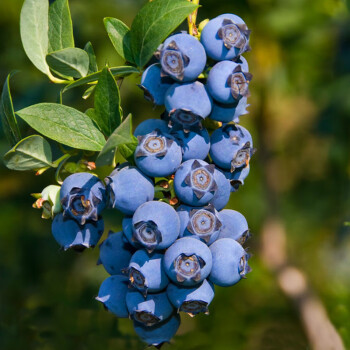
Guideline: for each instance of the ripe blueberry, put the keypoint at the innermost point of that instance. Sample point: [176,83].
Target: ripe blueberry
[149,125]
[229,112]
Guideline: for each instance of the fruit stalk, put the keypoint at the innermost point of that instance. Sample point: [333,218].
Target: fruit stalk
[192,18]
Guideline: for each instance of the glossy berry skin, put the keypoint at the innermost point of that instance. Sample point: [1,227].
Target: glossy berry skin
[231,147]
[187,104]
[151,310]
[225,37]
[156,225]
[229,262]
[200,223]
[194,182]
[112,295]
[146,272]
[226,113]
[195,145]
[160,333]
[149,125]
[237,177]
[83,197]
[228,82]
[158,154]
[182,57]
[234,226]
[187,262]
[222,195]
[129,188]
[69,234]
[115,253]
[154,85]
[191,300]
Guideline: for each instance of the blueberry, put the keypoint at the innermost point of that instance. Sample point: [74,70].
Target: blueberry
[229,262]
[229,112]
[234,225]
[112,295]
[115,253]
[225,37]
[69,234]
[160,333]
[128,188]
[222,195]
[182,57]
[150,125]
[151,310]
[228,82]
[191,300]
[188,261]
[128,232]
[237,177]
[194,182]
[231,147]
[195,145]
[83,197]
[156,225]
[187,104]
[154,85]
[157,154]
[146,272]
[200,223]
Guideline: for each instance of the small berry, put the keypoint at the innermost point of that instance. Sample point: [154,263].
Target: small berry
[146,272]
[182,57]
[229,262]
[188,261]
[222,195]
[191,300]
[151,310]
[112,295]
[128,188]
[157,154]
[49,201]
[69,234]
[83,197]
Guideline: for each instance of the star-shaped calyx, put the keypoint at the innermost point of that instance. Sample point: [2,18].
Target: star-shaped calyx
[194,307]
[239,81]
[147,234]
[188,267]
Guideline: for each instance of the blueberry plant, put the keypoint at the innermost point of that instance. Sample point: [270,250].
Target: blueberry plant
[171,178]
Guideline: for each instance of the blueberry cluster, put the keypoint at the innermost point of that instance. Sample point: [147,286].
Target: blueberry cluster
[177,240]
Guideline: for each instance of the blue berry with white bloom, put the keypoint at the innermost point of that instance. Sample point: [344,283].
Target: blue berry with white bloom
[200,223]
[146,272]
[83,197]
[194,182]
[149,125]
[128,188]
[193,300]
[151,310]
[228,82]
[160,333]
[187,104]
[225,37]
[182,57]
[222,195]
[227,113]
[157,154]
[237,177]
[129,233]
[69,234]
[231,147]
[229,262]
[154,84]
[115,253]
[188,261]
[112,295]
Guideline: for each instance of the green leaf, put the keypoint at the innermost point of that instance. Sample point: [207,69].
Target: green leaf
[64,124]
[92,58]
[122,136]
[119,34]
[118,72]
[7,114]
[153,23]
[34,27]
[70,62]
[31,153]
[88,92]
[60,26]
[107,102]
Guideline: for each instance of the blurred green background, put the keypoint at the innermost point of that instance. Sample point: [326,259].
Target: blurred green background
[300,121]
